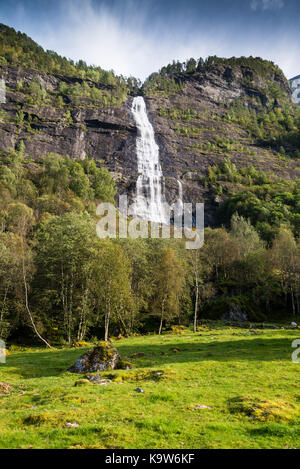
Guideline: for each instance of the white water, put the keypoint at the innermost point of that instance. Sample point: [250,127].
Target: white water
[149,200]
[180,200]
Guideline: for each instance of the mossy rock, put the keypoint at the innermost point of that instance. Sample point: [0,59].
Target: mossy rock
[101,358]
[82,382]
[263,410]
[4,388]
[125,365]
[81,344]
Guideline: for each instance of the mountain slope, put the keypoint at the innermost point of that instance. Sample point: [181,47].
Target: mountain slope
[203,113]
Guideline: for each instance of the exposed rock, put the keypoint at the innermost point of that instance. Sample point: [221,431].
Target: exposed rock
[139,390]
[201,407]
[97,380]
[295,86]
[4,388]
[71,425]
[101,358]
[235,314]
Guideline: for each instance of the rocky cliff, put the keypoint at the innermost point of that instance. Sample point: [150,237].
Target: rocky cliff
[193,126]
[295,87]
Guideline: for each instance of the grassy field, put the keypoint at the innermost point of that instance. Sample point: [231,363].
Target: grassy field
[245,377]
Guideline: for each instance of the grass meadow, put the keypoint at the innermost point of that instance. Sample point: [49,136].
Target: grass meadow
[245,378]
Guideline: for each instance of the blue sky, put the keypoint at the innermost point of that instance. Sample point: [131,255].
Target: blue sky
[137,37]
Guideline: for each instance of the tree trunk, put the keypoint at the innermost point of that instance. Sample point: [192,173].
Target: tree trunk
[293,301]
[196,308]
[106,327]
[26,301]
[162,315]
[3,306]
[160,326]
[107,318]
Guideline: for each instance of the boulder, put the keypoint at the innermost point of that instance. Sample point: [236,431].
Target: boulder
[235,314]
[101,358]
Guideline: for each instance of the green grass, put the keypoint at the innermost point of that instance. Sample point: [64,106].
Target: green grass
[247,378]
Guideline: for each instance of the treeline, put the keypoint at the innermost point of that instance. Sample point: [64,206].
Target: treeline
[18,49]
[170,77]
[60,283]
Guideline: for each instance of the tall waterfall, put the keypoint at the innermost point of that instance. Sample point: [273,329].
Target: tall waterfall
[149,200]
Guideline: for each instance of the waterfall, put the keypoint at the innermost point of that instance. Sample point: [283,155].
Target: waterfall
[180,200]
[149,199]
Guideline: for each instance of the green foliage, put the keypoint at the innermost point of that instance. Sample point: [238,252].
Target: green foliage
[161,84]
[267,201]
[170,78]
[79,92]
[277,127]
[3,116]
[18,49]
[35,90]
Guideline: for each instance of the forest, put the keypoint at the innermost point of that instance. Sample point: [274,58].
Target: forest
[61,284]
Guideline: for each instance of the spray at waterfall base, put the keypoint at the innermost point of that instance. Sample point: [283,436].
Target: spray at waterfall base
[181,223]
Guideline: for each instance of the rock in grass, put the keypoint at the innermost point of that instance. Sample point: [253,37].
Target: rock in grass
[101,358]
[200,407]
[97,380]
[139,390]
[71,425]
[4,388]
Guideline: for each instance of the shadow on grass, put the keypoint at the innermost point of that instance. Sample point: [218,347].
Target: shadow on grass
[54,363]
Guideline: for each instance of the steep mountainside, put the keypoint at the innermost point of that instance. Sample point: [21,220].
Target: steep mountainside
[237,110]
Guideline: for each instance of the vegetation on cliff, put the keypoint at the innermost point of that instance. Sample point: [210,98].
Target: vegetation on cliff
[58,278]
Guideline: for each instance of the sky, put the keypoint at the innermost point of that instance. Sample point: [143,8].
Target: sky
[138,37]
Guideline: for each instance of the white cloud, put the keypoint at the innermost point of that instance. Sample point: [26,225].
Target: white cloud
[132,42]
[122,41]
[266,5]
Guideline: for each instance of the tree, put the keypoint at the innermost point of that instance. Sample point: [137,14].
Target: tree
[112,285]
[203,290]
[20,220]
[103,185]
[245,235]
[285,255]
[169,277]
[65,257]
[10,268]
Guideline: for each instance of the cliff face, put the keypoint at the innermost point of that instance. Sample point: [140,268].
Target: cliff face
[189,124]
[194,133]
[106,134]
[295,87]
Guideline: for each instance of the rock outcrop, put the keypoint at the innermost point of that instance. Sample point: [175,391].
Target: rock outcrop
[101,358]
[295,87]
